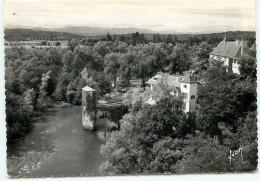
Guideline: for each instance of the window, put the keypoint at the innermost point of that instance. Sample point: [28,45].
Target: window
[185,86]
[192,97]
[184,106]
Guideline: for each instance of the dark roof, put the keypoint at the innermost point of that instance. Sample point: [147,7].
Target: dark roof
[230,49]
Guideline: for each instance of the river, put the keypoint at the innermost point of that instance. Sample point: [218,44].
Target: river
[57,146]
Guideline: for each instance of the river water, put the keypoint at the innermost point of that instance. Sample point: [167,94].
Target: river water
[57,146]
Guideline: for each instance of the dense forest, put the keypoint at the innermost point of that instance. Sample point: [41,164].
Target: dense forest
[152,139]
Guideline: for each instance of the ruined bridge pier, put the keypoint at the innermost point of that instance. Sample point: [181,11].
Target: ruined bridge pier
[90,107]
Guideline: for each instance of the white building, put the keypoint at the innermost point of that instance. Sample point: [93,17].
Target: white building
[229,53]
[178,85]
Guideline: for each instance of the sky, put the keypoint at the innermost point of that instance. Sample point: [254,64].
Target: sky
[156,15]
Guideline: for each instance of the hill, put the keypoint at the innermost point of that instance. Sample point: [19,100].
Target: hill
[96,31]
[25,34]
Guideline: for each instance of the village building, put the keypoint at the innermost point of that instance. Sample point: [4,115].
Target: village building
[229,53]
[183,85]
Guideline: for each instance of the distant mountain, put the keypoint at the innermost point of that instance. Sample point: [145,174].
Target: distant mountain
[96,31]
[28,33]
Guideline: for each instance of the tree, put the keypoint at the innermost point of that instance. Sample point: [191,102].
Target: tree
[204,154]
[201,57]
[43,100]
[112,66]
[125,70]
[44,43]
[122,38]
[149,59]
[89,80]
[25,86]
[156,38]
[137,38]
[57,43]
[248,66]
[143,39]
[18,116]
[102,48]
[224,90]
[157,57]
[72,44]
[79,60]
[141,68]
[169,39]
[102,80]
[64,80]
[109,38]
[146,139]
[179,59]
[30,99]
[44,84]
[175,40]
[135,98]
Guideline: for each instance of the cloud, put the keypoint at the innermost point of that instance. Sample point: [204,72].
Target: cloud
[225,12]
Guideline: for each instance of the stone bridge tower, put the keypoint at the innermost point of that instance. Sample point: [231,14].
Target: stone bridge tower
[89,108]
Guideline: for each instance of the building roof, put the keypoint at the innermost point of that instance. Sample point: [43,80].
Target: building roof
[230,49]
[88,89]
[154,79]
[174,81]
[171,80]
[188,79]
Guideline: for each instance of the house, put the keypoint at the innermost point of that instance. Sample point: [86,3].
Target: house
[183,85]
[229,53]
